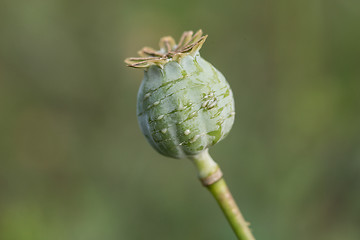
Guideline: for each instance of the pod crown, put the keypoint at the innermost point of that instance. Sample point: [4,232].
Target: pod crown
[189,44]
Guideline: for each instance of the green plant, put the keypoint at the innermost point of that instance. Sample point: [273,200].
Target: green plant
[185,106]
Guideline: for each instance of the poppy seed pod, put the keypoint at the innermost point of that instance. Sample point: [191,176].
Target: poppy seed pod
[184,104]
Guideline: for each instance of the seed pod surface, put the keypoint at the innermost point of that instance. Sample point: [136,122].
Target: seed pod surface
[185,105]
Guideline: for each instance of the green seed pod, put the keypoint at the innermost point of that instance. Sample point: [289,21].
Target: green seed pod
[185,105]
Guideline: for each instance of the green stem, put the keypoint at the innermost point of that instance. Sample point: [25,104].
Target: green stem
[211,177]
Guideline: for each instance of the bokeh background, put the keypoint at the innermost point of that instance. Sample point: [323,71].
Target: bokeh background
[74,164]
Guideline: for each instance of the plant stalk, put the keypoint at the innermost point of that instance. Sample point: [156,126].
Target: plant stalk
[210,175]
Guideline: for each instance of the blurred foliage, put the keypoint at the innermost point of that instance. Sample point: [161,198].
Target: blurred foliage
[74,164]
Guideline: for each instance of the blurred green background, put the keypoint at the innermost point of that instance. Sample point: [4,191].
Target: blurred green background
[74,164]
